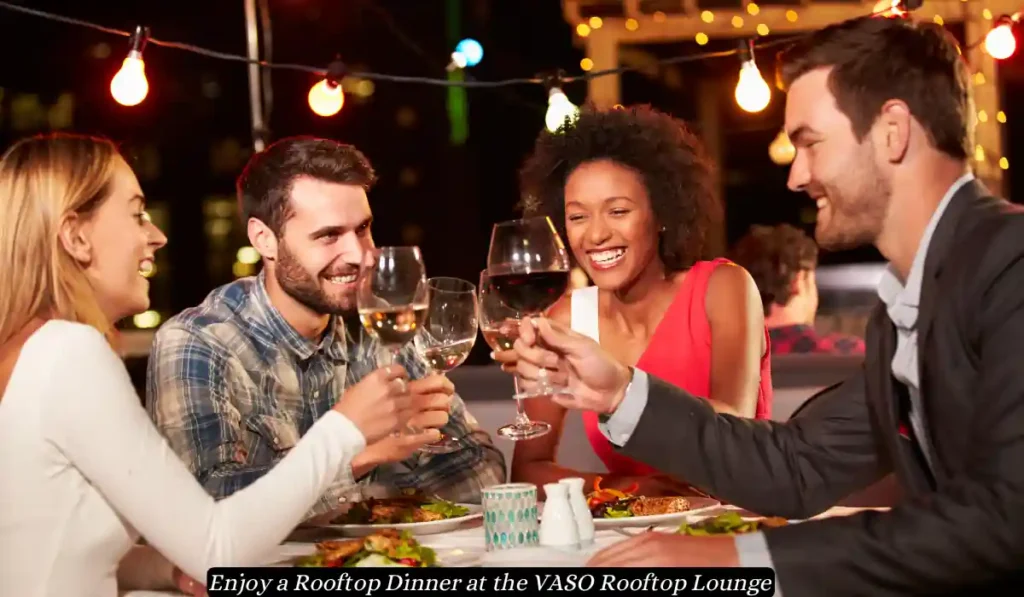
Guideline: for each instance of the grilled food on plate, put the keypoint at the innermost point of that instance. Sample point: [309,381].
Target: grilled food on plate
[730,523]
[645,506]
[612,503]
[412,506]
[385,548]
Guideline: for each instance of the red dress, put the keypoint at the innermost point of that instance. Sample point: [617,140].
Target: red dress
[679,352]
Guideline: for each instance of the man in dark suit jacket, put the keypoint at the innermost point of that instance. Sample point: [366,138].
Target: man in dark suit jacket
[880,113]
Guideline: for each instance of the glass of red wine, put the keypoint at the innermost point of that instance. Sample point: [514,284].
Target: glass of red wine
[528,268]
[447,336]
[499,324]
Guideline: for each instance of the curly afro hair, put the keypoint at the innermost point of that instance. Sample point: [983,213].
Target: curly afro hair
[672,161]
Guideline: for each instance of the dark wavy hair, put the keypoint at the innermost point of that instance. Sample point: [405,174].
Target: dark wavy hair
[265,185]
[668,156]
[874,60]
[774,255]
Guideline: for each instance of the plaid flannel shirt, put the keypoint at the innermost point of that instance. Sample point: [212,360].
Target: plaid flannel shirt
[799,338]
[232,386]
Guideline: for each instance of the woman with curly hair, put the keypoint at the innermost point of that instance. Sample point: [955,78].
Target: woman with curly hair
[631,190]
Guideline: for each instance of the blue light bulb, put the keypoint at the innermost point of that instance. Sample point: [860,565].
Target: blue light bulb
[471,50]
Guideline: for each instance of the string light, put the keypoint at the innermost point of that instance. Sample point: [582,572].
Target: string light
[129,86]
[327,97]
[1000,42]
[560,109]
[468,53]
[146,319]
[791,15]
[752,93]
[781,151]
[889,8]
[248,255]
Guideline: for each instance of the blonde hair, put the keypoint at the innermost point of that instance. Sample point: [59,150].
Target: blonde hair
[43,180]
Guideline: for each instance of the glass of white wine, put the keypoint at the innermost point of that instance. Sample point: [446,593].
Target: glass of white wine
[392,297]
[447,336]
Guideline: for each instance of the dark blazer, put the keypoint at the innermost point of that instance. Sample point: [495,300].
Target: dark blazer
[959,527]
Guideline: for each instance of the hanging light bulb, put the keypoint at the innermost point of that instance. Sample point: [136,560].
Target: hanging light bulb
[327,97]
[888,8]
[468,53]
[781,151]
[1000,42]
[752,93]
[559,109]
[129,86]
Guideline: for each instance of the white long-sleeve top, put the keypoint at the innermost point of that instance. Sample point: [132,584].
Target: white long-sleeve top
[83,473]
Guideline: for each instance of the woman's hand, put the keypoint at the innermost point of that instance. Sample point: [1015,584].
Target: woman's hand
[187,585]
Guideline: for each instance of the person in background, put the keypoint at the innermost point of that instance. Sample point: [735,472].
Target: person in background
[85,473]
[236,381]
[631,191]
[782,260]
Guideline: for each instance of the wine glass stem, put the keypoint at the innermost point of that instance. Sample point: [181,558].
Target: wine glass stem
[521,417]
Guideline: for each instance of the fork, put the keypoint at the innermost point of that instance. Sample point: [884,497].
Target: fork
[629,534]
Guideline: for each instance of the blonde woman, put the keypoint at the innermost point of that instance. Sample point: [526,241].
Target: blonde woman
[85,473]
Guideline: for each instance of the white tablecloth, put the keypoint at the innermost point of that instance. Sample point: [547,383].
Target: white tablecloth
[461,548]
[466,547]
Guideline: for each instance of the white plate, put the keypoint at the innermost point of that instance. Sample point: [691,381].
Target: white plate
[434,527]
[446,557]
[697,504]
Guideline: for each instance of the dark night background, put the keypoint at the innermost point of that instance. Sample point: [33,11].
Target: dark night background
[191,136]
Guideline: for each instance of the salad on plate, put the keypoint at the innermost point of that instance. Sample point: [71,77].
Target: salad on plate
[385,548]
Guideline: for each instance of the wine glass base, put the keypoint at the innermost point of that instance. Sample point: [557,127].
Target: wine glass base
[520,431]
[445,445]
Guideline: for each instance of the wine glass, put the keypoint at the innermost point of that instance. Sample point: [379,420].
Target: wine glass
[392,297]
[528,268]
[499,324]
[447,336]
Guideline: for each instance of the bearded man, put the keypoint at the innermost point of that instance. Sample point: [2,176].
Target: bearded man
[880,113]
[236,381]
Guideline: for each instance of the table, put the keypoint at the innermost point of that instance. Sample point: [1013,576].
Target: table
[465,547]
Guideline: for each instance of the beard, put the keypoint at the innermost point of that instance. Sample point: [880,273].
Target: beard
[306,288]
[858,201]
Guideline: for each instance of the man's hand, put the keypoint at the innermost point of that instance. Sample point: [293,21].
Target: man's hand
[431,401]
[595,379]
[378,404]
[668,550]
